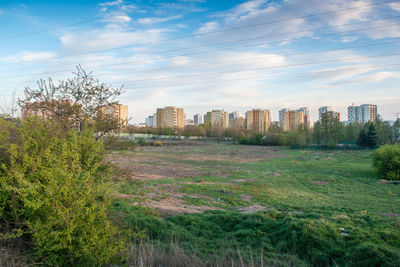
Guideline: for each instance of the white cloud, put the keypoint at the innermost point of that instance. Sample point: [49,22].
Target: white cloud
[112,3]
[111,37]
[395,6]
[29,56]
[121,18]
[208,27]
[154,20]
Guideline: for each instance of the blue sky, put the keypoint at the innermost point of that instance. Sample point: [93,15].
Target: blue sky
[203,54]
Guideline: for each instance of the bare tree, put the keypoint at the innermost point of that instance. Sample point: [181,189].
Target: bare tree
[77,102]
[9,106]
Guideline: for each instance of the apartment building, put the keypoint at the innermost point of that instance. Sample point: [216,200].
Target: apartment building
[363,113]
[306,112]
[118,111]
[149,121]
[292,119]
[170,117]
[323,110]
[219,118]
[258,120]
[281,112]
[198,119]
[332,115]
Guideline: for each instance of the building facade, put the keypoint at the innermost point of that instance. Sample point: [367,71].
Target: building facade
[363,113]
[258,120]
[306,112]
[149,121]
[118,111]
[219,118]
[292,119]
[323,110]
[198,119]
[170,117]
[331,115]
[281,112]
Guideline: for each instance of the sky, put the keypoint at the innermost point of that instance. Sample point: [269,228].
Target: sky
[203,55]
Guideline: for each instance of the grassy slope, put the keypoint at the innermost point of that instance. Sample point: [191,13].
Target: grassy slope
[304,216]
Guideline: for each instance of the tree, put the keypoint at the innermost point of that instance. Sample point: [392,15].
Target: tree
[75,103]
[384,131]
[368,136]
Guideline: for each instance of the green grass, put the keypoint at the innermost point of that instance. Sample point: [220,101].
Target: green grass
[323,207]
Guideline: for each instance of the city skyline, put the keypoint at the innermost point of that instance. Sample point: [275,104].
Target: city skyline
[201,55]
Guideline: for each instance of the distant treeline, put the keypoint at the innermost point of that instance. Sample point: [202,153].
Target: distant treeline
[329,133]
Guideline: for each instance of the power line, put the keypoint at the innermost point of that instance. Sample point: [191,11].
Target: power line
[257,58]
[264,77]
[269,67]
[315,36]
[223,30]
[246,39]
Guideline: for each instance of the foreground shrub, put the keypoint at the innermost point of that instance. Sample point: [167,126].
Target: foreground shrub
[54,194]
[157,143]
[387,161]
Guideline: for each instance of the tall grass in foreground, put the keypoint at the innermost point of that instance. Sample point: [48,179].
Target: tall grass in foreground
[149,253]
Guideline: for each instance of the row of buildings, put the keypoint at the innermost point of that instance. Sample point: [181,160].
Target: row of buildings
[46,110]
[258,120]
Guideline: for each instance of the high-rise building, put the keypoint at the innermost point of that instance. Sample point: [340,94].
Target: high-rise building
[368,112]
[363,113]
[292,119]
[234,115]
[323,110]
[219,118]
[331,115]
[238,123]
[149,121]
[306,112]
[281,112]
[258,120]
[198,119]
[120,112]
[171,117]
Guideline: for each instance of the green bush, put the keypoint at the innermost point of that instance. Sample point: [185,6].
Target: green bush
[387,161]
[54,193]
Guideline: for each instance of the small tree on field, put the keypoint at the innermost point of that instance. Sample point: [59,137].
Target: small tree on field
[76,102]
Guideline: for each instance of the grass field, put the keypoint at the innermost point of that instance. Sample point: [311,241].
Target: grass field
[295,207]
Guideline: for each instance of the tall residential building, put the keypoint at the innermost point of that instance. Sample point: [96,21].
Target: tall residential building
[330,115]
[207,118]
[120,112]
[323,110]
[238,123]
[170,116]
[281,112]
[258,120]
[219,118]
[149,121]
[292,119]
[363,113]
[306,112]
[198,119]
[234,115]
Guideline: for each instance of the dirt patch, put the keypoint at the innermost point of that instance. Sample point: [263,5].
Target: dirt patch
[276,174]
[252,209]
[246,198]
[244,180]
[172,206]
[146,168]
[320,182]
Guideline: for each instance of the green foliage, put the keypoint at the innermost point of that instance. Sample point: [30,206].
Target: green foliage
[314,241]
[53,190]
[387,161]
[368,136]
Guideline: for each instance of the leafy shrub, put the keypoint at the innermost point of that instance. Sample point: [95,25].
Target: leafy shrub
[142,142]
[53,193]
[387,161]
